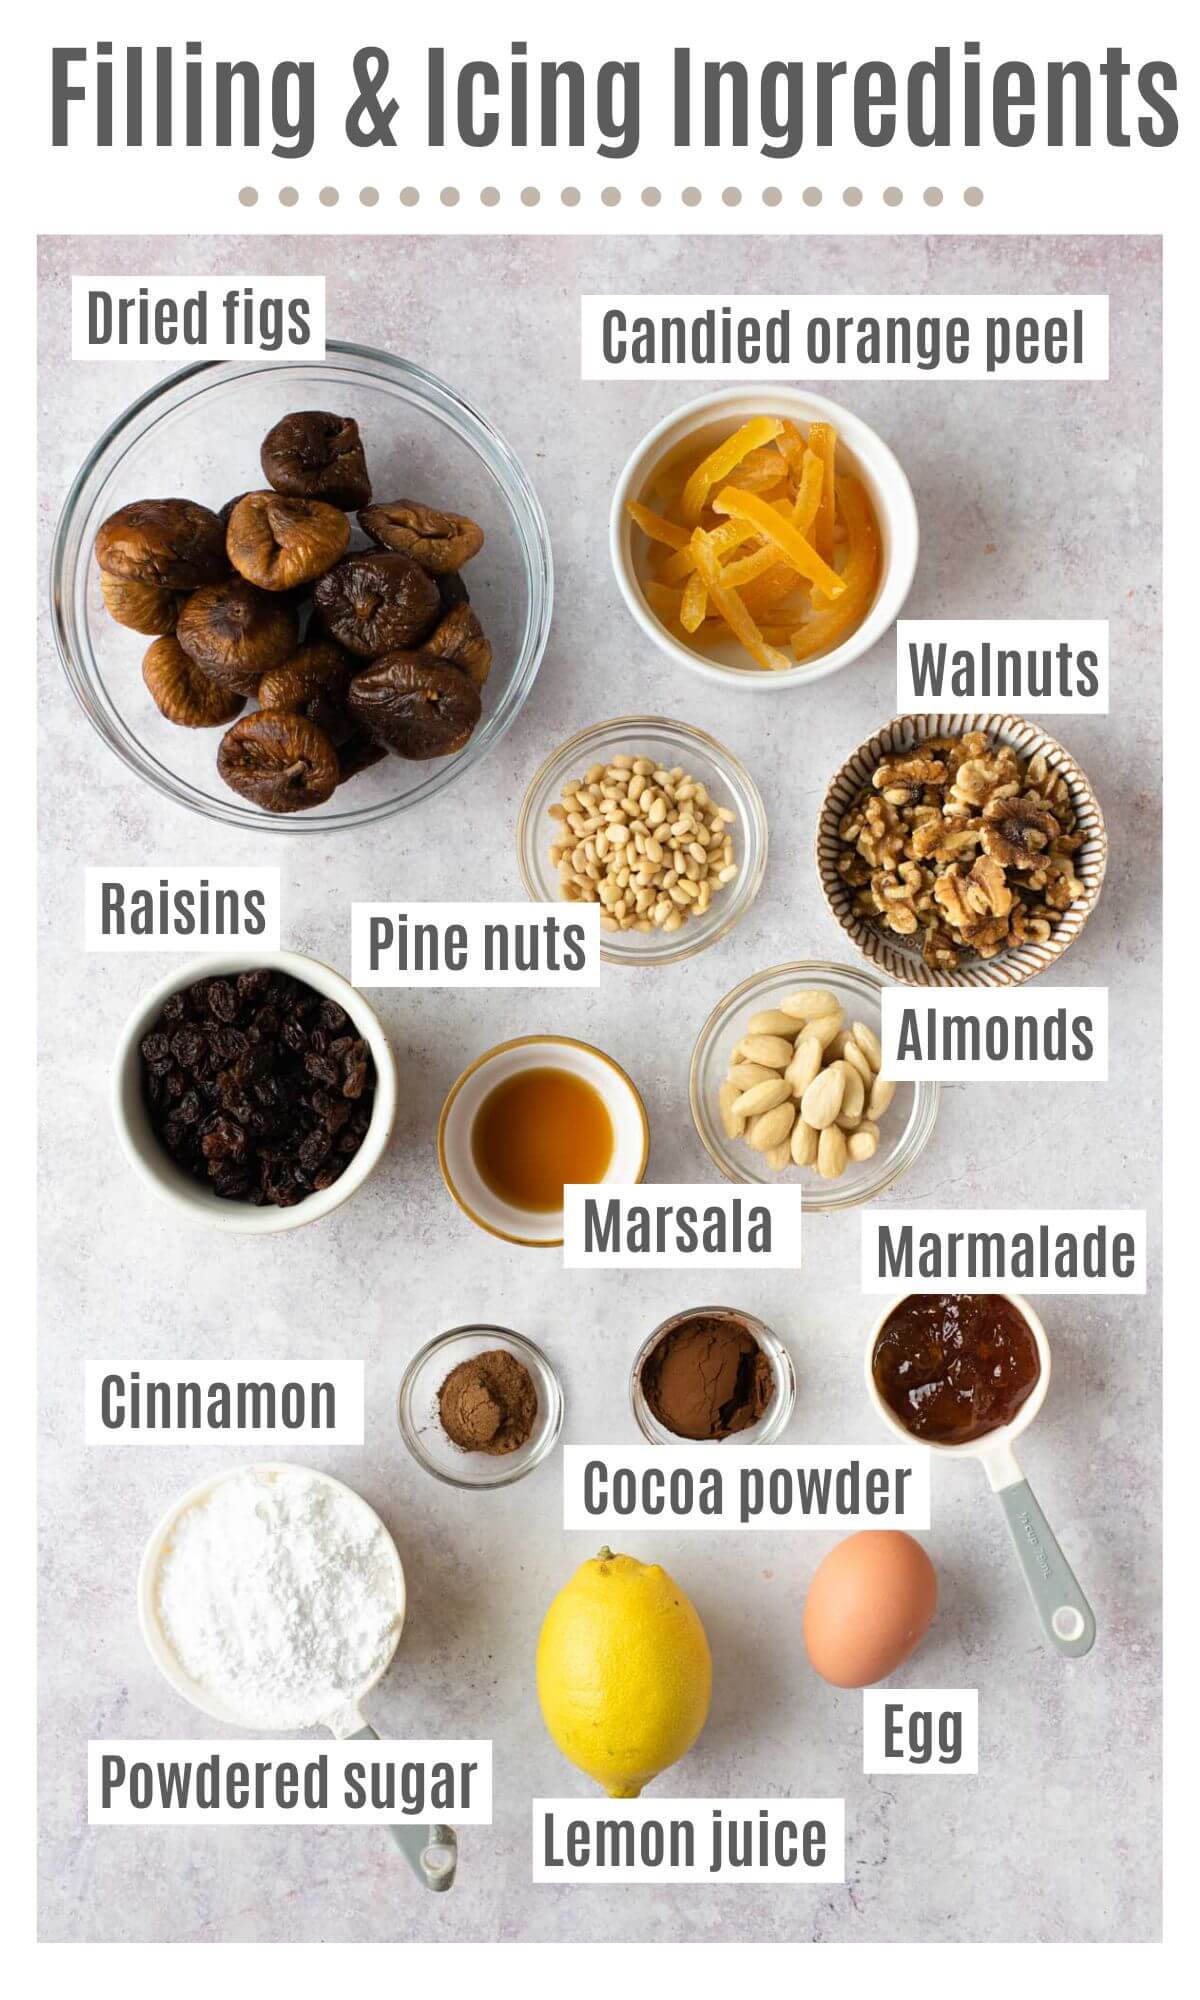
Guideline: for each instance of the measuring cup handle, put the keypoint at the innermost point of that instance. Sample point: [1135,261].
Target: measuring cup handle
[430,1851]
[1066,1615]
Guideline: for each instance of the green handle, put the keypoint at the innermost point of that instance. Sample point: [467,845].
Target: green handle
[430,1851]
[1067,1617]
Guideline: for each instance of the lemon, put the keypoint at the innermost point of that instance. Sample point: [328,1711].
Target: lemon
[624,1673]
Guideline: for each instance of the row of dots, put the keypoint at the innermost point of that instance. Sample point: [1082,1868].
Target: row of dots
[570,197]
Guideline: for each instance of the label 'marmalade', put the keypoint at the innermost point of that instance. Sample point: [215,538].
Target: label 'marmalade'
[1000,1250]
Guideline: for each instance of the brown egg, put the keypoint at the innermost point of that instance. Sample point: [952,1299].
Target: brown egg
[869,1606]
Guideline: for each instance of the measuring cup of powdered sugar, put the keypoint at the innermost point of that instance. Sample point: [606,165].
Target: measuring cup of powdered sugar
[272,1598]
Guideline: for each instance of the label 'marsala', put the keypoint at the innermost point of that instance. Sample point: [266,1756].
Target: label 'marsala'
[679,1227]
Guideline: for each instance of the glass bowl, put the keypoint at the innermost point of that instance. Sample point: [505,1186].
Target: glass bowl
[904,1129]
[420,1425]
[670,743]
[198,433]
[775,1418]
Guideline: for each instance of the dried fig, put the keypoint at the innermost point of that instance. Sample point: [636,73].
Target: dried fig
[314,455]
[236,634]
[375,602]
[438,541]
[313,684]
[142,607]
[278,543]
[184,694]
[358,753]
[452,590]
[282,762]
[460,639]
[418,705]
[173,543]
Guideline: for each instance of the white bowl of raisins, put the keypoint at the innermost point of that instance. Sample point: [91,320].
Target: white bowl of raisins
[254,1094]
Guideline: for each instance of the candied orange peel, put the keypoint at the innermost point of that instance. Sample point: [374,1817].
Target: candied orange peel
[760,538]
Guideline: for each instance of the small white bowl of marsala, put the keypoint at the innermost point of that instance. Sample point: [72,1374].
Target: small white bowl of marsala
[529,1118]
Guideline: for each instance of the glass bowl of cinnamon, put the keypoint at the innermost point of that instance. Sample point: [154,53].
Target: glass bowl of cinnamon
[480,1406]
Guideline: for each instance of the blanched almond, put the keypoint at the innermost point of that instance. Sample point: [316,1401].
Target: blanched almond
[773,1022]
[804,1065]
[868,1042]
[852,1054]
[804,1144]
[772,1128]
[732,1123]
[882,1093]
[761,1097]
[771,1050]
[808,1002]
[778,1158]
[863,1144]
[745,1074]
[831,1154]
[825,1028]
[854,1096]
[822,1101]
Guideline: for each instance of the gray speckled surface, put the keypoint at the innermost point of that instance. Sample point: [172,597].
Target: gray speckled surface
[1034,501]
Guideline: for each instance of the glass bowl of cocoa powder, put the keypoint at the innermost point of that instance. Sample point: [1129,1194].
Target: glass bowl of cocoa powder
[480,1406]
[709,1374]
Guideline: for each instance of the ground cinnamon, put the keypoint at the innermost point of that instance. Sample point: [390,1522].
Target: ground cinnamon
[489,1403]
[707,1378]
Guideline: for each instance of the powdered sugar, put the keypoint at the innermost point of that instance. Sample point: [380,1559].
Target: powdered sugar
[277,1594]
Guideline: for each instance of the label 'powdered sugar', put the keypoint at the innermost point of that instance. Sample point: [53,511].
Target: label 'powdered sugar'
[277,1594]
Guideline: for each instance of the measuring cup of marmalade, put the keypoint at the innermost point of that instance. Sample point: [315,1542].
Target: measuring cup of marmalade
[965,1374]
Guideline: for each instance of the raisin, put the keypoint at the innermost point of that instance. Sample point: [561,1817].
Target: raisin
[257,1086]
[251,986]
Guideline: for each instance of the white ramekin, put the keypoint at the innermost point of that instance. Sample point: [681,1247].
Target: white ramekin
[860,450]
[153,1163]
[534,1229]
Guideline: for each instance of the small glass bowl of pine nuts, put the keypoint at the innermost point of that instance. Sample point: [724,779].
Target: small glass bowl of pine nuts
[655,821]
[902,1128]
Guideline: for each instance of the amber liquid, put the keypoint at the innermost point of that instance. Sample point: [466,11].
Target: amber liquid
[954,1368]
[535,1132]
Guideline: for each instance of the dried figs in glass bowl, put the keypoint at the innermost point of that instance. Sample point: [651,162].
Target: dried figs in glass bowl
[254,1093]
[203,427]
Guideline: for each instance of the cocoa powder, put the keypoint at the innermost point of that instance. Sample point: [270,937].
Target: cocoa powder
[708,1378]
[489,1403]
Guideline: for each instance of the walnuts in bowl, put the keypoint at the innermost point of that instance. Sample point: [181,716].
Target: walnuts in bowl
[352,653]
[960,847]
